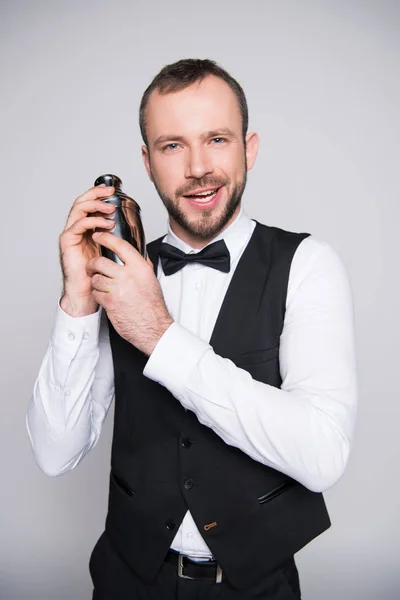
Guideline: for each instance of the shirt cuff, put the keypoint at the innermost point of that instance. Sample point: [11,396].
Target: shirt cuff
[172,361]
[70,333]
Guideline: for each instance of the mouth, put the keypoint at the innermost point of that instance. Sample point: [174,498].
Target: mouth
[204,198]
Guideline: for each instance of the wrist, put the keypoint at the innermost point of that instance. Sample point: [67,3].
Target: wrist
[78,306]
[156,335]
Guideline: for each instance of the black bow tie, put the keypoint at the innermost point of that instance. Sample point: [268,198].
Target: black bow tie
[216,255]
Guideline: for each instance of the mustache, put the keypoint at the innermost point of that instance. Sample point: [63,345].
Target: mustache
[201,183]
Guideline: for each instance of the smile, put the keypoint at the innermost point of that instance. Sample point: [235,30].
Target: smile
[205,199]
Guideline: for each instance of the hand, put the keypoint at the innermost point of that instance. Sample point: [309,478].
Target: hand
[130,293]
[77,247]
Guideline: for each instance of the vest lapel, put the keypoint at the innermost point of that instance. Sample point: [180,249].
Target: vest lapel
[244,294]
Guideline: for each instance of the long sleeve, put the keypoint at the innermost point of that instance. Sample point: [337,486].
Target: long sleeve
[72,393]
[303,429]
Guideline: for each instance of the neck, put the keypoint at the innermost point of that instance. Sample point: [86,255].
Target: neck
[194,241]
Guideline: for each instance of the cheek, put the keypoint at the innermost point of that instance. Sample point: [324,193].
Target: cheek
[168,174]
[232,162]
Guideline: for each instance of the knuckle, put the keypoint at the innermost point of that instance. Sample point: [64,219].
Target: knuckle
[96,279]
[73,227]
[130,250]
[100,263]
[65,235]
[90,265]
[103,261]
[88,194]
[87,221]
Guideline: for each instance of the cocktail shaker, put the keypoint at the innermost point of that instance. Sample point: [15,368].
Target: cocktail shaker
[128,223]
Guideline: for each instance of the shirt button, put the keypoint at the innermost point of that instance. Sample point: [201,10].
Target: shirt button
[71,336]
[189,483]
[170,524]
[67,392]
[189,535]
[197,285]
[85,335]
[186,443]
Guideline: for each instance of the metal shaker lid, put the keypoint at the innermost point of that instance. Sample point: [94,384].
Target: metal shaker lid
[109,180]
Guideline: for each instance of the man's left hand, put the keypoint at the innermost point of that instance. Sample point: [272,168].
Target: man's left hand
[129,293]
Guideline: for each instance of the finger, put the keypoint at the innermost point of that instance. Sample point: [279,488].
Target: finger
[101,283]
[86,223]
[104,266]
[105,300]
[123,249]
[98,191]
[81,209]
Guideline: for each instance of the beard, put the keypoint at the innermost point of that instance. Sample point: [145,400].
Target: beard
[207,227]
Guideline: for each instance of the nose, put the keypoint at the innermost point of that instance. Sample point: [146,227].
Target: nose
[198,163]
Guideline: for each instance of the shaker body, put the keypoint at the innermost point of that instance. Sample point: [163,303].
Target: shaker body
[128,224]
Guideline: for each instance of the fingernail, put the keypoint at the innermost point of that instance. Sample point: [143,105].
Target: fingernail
[96,234]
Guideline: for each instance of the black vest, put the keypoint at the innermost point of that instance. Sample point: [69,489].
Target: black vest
[165,462]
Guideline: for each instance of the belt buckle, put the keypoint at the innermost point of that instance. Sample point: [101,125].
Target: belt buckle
[180,568]
[218,577]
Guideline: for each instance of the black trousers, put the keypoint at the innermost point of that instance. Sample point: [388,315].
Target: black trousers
[114,580]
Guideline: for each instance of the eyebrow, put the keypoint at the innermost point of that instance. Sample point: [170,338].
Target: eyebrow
[209,134]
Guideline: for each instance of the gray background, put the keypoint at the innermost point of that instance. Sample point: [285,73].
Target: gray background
[322,81]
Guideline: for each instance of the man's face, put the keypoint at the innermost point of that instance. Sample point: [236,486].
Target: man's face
[196,157]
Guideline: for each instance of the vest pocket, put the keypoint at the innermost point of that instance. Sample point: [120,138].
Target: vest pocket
[276,492]
[121,484]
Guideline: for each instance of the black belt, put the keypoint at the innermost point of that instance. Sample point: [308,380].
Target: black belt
[191,569]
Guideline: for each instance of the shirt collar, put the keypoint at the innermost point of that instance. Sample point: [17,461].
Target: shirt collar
[233,236]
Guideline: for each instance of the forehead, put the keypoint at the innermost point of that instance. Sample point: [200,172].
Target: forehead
[208,105]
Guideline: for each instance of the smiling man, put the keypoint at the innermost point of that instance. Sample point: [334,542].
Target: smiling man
[199,166]
[231,357]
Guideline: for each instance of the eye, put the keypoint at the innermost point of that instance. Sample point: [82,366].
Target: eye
[171,146]
[218,140]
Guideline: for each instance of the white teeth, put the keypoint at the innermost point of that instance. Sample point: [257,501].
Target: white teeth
[204,193]
[209,193]
[203,197]
[207,199]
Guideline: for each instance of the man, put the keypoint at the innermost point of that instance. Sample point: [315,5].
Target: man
[233,367]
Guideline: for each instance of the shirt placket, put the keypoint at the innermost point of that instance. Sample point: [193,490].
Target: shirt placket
[191,308]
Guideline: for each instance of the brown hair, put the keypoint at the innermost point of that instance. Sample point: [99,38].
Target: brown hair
[181,74]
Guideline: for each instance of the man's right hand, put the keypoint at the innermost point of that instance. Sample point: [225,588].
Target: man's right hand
[77,248]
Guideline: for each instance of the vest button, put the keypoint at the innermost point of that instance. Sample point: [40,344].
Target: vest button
[170,524]
[189,483]
[186,443]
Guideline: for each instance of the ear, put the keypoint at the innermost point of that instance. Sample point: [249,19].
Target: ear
[146,160]
[252,142]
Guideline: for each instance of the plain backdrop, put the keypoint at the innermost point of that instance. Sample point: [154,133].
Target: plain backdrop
[322,82]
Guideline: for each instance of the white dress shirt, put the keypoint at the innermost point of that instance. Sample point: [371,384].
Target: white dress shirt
[303,429]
